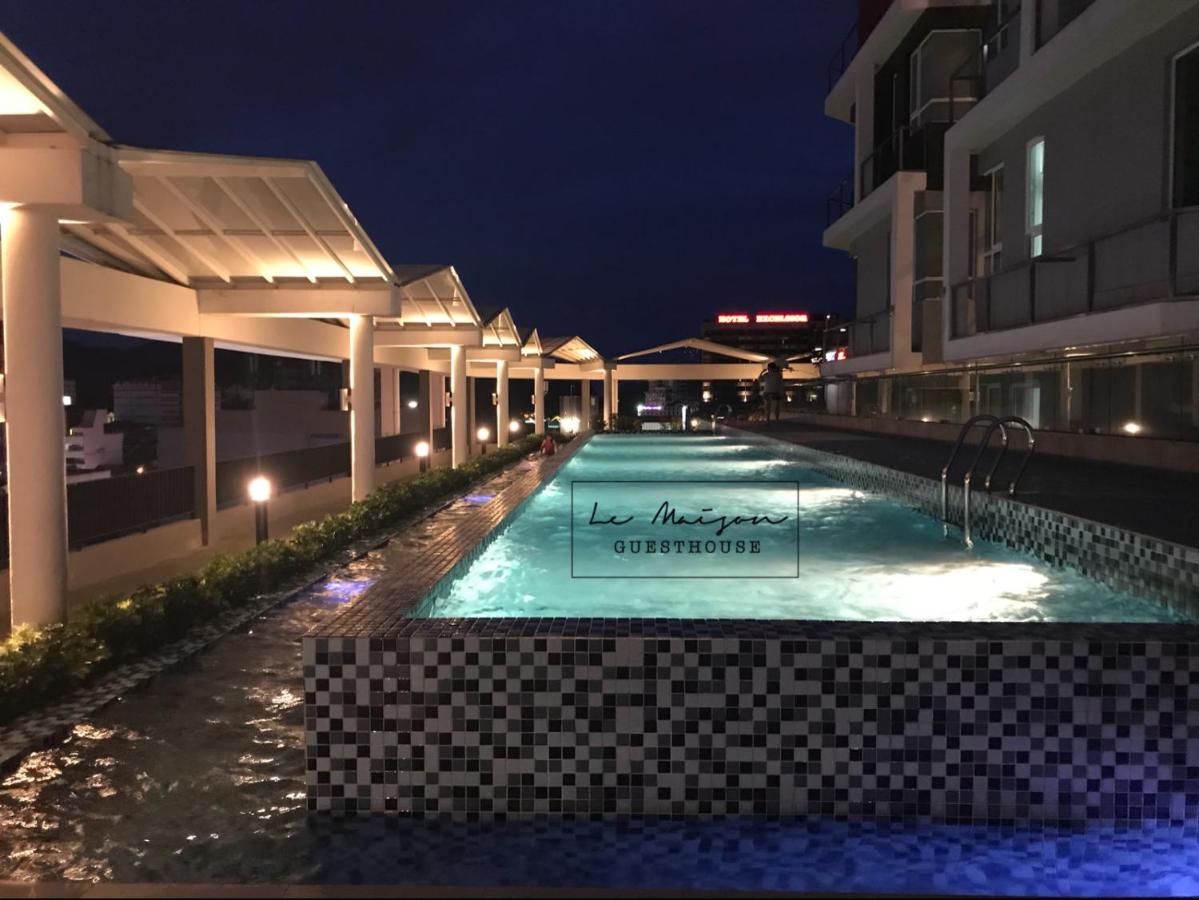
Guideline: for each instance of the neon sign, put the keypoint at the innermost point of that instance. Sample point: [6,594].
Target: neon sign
[774,318]
[762,319]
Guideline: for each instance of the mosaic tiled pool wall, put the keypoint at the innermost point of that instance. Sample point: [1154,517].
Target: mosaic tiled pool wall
[1125,560]
[995,723]
[957,722]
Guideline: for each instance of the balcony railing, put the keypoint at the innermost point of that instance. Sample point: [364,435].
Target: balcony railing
[905,149]
[997,57]
[843,55]
[861,337]
[1054,15]
[840,201]
[1152,260]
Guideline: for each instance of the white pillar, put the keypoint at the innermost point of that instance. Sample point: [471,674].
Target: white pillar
[37,480]
[585,405]
[539,400]
[199,428]
[607,398]
[362,406]
[460,410]
[389,400]
[615,394]
[501,403]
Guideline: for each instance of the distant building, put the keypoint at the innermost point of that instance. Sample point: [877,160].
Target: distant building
[776,334]
[150,402]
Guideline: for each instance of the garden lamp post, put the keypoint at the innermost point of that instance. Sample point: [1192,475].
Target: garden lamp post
[260,493]
[483,434]
[422,453]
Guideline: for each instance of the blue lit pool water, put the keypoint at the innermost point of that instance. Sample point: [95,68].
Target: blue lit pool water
[861,556]
[199,778]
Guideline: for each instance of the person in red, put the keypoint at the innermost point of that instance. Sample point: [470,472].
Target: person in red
[547,446]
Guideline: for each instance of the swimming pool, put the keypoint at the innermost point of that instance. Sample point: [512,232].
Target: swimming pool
[854,555]
[741,690]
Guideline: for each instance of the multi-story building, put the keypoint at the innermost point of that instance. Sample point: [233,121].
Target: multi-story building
[1023,212]
[779,334]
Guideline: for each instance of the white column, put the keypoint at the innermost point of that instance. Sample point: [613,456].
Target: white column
[389,400]
[501,403]
[607,398]
[615,394]
[585,405]
[539,400]
[459,411]
[199,427]
[37,481]
[362,406]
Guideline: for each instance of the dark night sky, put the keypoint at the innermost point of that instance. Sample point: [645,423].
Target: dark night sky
[616,168]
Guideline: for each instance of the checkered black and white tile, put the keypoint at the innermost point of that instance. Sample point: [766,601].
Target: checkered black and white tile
[952,727]
[1031,723]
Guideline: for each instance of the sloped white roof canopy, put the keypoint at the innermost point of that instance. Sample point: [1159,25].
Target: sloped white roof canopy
[220,221]
[530,342]
[499,329]
[434,295]
[569,349]
[30,103]
[701,344]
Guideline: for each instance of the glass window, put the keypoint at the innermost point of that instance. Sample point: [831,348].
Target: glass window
[1035,199]
[1186,129]
[991,249]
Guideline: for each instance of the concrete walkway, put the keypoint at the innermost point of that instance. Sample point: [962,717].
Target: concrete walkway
[1151,501]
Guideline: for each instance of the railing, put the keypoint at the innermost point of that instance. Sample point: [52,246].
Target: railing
[442,438]
[840,201]
[861,337]
[997,57]
[843,55]
[1054,15]
[1155,259]
[107,508]
[906,150]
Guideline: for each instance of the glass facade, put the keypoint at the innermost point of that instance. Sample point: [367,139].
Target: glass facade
[1145,395]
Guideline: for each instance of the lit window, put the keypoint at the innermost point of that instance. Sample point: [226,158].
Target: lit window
[1035,199]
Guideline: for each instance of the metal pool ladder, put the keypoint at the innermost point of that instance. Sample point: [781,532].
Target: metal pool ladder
[991,423]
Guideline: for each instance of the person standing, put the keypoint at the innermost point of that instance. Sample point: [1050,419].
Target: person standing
[771,381]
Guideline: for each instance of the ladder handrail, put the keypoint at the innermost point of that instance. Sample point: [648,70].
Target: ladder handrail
[1032,443]
[967,539]
[965,429]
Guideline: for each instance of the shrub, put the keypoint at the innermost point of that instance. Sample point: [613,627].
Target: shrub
[40,665]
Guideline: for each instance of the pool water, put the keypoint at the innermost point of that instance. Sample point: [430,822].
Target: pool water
[199,777]
[859,557]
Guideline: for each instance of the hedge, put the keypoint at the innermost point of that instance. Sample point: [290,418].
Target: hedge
[39,665]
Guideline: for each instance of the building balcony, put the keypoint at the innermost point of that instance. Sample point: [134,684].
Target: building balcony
[843,55]
[1150,261]
[863,344]
[996,57]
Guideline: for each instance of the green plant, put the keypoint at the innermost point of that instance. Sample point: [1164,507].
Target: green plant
[40,664]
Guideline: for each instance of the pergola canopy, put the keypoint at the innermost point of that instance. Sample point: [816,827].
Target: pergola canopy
[701,344]
[569,349]
[207,220]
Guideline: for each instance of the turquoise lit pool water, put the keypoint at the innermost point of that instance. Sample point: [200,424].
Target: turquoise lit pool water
[861,556]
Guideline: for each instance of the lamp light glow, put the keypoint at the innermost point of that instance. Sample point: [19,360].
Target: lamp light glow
[483,434]
[422,449]
[1132,428]
[259,489]
[412,404]
[513,426]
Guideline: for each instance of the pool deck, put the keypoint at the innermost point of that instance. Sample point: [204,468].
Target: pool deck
[1155,502]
